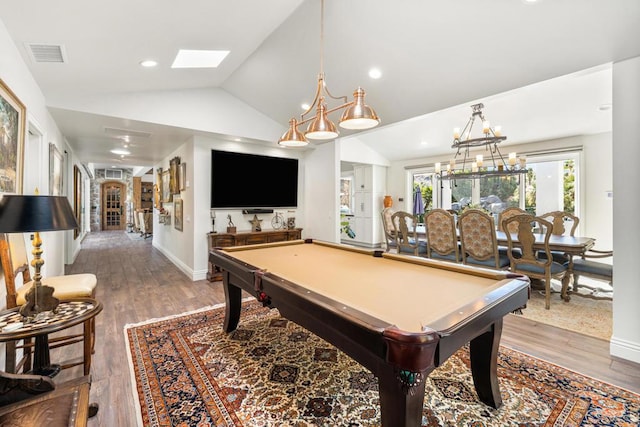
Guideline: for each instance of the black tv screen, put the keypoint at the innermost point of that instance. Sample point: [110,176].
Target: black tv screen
[241,180]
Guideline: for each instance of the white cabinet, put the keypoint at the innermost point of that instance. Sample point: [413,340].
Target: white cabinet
[369,187]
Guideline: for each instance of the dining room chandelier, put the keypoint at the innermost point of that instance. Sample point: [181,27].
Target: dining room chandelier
[356,115]
[463,166]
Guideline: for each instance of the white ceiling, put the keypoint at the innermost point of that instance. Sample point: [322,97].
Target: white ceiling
[437,58]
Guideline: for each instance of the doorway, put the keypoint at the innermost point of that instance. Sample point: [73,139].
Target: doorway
[113,196]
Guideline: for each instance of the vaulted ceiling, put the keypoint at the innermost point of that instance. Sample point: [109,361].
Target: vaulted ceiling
[436,58]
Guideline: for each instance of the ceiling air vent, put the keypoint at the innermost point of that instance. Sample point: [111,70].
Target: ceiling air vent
[46,52]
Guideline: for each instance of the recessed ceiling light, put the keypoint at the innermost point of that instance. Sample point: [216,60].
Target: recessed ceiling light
[529,1]
[375,73]
[424,142]
[605,107]
[120,151]
[199,58]
[148,63]
[305,107]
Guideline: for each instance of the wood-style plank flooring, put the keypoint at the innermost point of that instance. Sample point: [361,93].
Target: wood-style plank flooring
[136,283]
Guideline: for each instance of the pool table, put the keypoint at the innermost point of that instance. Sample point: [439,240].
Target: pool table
[399,316]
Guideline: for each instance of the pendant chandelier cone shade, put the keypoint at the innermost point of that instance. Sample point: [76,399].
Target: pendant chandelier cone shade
[356,114]
[359,115]
[321,127]
[292,137]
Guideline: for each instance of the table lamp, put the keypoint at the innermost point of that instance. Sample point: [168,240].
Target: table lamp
[33,214]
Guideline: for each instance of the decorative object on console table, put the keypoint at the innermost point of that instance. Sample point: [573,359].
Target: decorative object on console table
[12,129]
[255,223]
[277,222]
[33,214]
[222,240]
[213,220]
[291,220]
[178,214]
[387,202]
[231,227]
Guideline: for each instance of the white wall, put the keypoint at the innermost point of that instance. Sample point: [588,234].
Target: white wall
[625,342]
[322,193]
[15,74]
[188,249]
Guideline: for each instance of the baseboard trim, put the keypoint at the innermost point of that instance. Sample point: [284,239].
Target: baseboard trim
[624,349]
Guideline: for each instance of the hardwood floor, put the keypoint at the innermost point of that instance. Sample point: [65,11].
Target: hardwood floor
[136,283]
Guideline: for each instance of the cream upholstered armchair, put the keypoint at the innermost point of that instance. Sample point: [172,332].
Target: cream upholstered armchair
[17,277]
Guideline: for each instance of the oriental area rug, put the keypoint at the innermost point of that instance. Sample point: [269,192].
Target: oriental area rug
[271,372]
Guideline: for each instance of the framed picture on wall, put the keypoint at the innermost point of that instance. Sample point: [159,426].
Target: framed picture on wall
[174,185]
[167,195]
[77,199]
[12,131]
[56,171]
[182,176]
[177,213]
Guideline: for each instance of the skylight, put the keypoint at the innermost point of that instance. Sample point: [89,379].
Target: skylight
[199,58]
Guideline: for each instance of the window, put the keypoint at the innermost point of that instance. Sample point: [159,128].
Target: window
[423,182]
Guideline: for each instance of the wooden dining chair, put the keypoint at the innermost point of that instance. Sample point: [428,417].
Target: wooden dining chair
[406,234]
[586,266]
[527,261]
[478,240]
[560,219]
[17,278]
[442,236]
[388,229]
[508,213]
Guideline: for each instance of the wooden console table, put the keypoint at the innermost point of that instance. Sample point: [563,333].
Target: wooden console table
[222,240]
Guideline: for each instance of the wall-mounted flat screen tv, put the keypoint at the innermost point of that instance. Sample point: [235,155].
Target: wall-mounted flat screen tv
[240,180]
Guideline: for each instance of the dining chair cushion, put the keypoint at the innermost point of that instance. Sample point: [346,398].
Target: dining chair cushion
[530,268]
[503,261]
[449,257]
[592,267]
[422,247]
[69,286]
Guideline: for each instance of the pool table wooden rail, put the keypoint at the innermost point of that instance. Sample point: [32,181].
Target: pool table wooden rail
[400,360]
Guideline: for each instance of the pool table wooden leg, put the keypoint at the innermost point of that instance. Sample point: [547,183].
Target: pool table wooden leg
[399,407]
[484,365]
[233,297]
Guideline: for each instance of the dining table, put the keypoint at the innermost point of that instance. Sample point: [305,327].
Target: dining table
[569,245]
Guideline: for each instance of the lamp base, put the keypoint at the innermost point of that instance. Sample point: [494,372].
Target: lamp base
[39,298]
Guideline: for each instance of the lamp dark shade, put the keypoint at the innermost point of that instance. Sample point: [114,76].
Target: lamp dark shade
[23,214]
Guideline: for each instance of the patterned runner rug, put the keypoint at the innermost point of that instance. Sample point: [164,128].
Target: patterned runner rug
[270,372]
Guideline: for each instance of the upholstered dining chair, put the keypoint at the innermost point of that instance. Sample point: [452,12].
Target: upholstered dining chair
[528,261]
[508,213]
[586,266]
[559,219]
[17,278]
[406,235]
[388,229]
[442,236]
[478,240]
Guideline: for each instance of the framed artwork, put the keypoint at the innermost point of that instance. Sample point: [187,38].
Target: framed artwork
[182,176]
[167,195]
[12,130]
[56,171]
[77,199]
[174,185]
[157,189]
[177,213]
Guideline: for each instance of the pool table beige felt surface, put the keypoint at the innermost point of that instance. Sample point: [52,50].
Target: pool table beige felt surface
[408,292]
